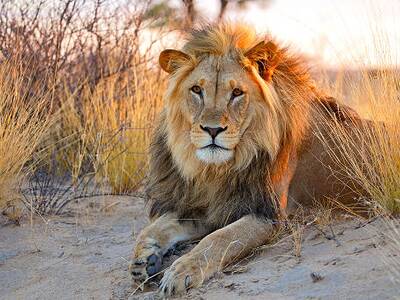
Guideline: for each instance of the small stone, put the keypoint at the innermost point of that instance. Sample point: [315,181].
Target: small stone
[316,277]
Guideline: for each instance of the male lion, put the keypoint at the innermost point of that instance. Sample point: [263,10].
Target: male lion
[234,150]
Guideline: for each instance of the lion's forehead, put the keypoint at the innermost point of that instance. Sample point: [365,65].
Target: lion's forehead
[218,68]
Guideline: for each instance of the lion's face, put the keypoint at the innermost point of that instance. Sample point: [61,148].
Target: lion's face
[215,102]
[220,108]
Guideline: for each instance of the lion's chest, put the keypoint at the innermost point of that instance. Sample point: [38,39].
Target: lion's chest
[219,204]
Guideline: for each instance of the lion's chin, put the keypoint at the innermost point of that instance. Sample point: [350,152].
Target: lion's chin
[214,155]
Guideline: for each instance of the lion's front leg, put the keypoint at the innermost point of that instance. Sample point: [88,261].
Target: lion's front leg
[155,240]
[214,252]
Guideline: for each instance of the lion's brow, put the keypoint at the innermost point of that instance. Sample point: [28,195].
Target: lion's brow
[216,87]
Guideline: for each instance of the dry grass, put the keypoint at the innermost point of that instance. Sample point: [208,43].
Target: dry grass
[96,61]
[297,232]
[370,155]
[23,127]
[107,129]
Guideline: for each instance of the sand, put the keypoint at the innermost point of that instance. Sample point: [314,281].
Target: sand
[85,256]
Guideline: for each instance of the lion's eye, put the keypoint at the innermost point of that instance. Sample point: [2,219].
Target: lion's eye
[196,89]
[237,92]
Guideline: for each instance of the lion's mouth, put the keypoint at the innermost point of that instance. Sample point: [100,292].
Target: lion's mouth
[214,147]
[214,154]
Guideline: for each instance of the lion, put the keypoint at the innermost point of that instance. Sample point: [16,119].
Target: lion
[234,151]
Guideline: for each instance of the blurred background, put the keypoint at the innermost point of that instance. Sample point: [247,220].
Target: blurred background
[335,33]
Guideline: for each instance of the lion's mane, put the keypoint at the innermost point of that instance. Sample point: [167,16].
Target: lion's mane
[222,194]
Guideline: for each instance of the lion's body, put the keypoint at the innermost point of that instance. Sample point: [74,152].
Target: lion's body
[218,200]
[317,178]
[238,145]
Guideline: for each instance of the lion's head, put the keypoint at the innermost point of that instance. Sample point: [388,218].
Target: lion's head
[230,95]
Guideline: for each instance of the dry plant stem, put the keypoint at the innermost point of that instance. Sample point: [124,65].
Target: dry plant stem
[141,285]
[329,237]
[297,239]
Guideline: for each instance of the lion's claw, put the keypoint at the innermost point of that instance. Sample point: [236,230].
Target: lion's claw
[147,263]
[184,274]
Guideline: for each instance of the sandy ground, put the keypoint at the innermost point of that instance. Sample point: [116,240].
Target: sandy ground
[85,256]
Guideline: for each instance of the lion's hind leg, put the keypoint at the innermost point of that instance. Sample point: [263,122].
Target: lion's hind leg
[155,240]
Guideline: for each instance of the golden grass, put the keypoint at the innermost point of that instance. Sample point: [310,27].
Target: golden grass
[24,121]
[107,128]
[370,155]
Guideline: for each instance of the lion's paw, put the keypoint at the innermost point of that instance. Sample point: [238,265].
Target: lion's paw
[146,262]
[184,273]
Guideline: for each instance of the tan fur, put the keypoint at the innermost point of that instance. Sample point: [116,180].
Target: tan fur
[267,150]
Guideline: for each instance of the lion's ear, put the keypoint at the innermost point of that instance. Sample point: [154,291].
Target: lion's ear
[267,57]
[170,59]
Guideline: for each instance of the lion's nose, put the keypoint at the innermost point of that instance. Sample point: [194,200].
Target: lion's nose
[213,131]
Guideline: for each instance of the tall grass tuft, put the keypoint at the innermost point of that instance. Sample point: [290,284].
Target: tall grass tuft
[24,123]
[106,129]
